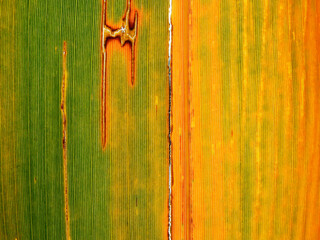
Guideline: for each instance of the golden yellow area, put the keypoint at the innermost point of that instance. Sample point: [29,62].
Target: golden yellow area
[180,121]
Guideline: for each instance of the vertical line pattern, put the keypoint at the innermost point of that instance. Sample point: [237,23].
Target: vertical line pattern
[169,120]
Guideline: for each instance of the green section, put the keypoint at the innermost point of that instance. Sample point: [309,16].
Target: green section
[8,161]
[119,193]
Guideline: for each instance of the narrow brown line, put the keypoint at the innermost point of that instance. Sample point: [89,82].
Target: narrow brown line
[170,172]
[103,79]
[64,138]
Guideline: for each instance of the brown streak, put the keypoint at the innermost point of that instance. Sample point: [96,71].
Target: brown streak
[103,79]
[64,138]
[127,33]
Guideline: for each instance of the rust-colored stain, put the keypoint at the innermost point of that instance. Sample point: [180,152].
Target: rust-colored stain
[64,137]
[127,33]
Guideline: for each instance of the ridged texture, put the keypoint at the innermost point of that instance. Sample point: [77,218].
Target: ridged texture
[246,134]
[242,121]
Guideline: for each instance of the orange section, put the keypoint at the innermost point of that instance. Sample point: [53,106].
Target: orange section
[313,120]
[180,121]
[207,148]
[197,202]
[246,119]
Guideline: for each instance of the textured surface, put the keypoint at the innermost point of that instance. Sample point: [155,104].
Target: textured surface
[246,144]
[245,121]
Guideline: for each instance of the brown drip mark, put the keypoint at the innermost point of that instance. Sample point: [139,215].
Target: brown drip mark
[64,138]
[126,34]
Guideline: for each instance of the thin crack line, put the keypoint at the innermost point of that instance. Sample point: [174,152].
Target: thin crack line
[169,122]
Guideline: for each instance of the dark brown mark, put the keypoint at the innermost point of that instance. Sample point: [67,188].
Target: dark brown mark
[126,34]
[64,137]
